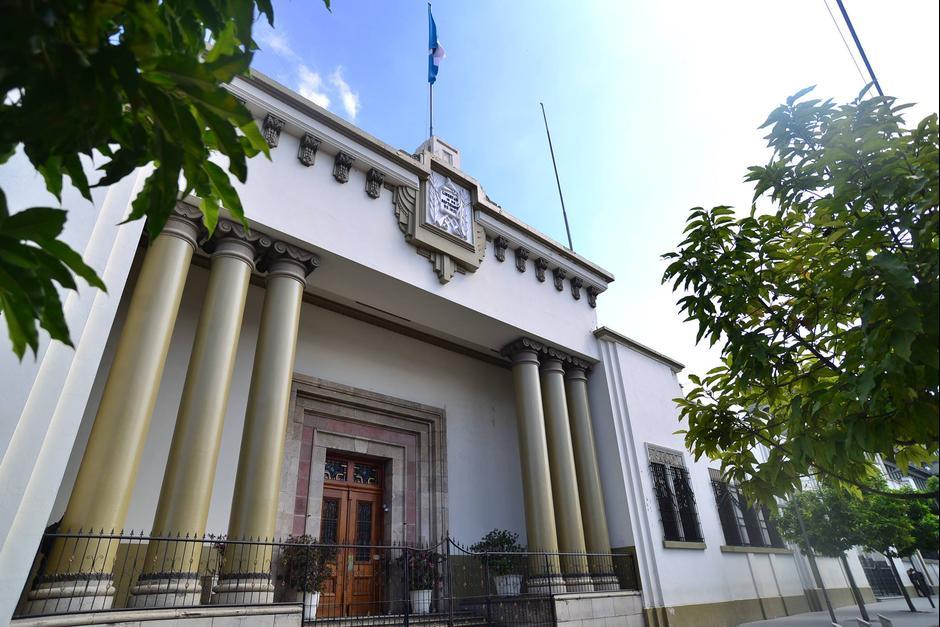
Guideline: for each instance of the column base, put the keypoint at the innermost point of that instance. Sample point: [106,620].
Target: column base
[546,584]
[606,583]
[579,583]
[77,593]
[166,590]
[243,589]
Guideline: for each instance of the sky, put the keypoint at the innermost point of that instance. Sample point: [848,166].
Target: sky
[653,106]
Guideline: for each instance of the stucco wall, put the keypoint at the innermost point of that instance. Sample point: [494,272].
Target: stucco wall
[640,411]
[484,477]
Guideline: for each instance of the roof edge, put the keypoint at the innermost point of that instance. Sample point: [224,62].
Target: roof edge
[606,333]
[405,160]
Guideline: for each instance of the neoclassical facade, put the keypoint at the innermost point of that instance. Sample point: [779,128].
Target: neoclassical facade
[385,357]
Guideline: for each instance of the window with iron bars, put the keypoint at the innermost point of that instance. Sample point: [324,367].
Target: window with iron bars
[743,524]
[676,499]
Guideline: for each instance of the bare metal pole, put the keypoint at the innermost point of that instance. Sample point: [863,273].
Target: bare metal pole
[858,44]
[431,107]
[557,180]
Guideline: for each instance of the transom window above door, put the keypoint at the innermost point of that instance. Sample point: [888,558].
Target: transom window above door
[352,471]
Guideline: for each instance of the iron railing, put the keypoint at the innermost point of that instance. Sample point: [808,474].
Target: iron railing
[444,583]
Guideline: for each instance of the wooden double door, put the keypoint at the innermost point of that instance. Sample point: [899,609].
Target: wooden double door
[351,517]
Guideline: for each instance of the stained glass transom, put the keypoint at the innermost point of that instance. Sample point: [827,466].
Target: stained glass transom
[365,473]
[334,470]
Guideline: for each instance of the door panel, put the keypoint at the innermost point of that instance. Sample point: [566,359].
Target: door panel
[332,531]
[351,514]
[362,585]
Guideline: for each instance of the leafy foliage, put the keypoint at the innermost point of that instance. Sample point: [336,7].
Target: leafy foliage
[304,563]
[125,85]
[422,567]
[830,516]
[825,304]
[496,547]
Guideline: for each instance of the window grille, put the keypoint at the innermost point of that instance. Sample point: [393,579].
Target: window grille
[675,497]
[741,523]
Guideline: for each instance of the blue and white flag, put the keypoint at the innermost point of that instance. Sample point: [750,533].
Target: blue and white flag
[435,49]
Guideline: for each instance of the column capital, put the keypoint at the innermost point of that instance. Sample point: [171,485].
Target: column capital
[523,350]
[185,223]
[576,368]
[231,239]
[283,259]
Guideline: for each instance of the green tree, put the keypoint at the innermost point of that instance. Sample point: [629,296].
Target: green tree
[895,528]
[824,299]
[830,518]
[122,85]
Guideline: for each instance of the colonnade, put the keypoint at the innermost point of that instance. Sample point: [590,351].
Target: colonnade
[564,505]
[563,502]
[78,575]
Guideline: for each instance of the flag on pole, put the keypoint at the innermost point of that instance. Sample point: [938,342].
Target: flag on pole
[435,49]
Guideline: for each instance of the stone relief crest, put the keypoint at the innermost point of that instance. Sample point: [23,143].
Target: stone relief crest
[449,208]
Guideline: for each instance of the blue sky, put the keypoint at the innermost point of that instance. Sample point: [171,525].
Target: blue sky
[654,106]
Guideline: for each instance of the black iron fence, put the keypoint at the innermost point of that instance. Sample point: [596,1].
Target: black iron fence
[338,584]
[880,577]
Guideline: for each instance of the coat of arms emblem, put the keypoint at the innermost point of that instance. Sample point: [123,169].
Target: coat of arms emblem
[449,208]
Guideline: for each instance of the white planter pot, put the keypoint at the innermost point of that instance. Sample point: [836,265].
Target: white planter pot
[421,601]
[508,585]
[310,601]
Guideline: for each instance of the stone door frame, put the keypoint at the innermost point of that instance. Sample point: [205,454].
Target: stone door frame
[410,438]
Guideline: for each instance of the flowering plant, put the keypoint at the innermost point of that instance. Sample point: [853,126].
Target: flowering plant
[304,563]
[422,567]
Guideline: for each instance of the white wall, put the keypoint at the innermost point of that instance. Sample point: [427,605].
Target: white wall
[483,470]
[640,410]
[307,204]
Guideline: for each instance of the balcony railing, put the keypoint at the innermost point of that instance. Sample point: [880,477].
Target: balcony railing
[81,572]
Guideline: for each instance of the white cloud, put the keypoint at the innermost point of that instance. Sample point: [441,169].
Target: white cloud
[349,98]
[274,41]
[309,83]
[310,86]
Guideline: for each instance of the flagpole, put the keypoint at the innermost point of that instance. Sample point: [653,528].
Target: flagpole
[557,180]
[430,97]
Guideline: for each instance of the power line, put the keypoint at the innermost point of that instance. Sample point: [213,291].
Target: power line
[861,50]
[846,43]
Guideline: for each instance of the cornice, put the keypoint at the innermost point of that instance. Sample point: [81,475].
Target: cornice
[354,142]
[607,334]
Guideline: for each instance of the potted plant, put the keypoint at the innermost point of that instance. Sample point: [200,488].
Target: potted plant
[422,567]
[304,569]
[496,548]
[214,559]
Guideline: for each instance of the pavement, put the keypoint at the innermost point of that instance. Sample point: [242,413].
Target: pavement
[895,610]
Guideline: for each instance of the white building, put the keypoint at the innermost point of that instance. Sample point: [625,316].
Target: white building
[439,374]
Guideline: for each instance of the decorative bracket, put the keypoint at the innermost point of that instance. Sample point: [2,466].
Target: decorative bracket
[500,244]
[559,275]
[271,129]
[576,284]
[592,293]
[522,255]
[308,149]
[341,165]
[541,265]
[374,180]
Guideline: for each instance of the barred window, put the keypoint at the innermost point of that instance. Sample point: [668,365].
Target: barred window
[674,496]
[743,524]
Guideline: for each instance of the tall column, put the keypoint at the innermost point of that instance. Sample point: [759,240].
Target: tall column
[78,575]
[246,571]
[589,480]
[170,575]
[564,477]
[536,476]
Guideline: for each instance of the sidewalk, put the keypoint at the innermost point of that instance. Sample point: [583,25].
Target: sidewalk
[894,609]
